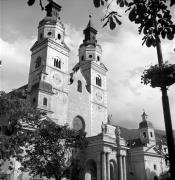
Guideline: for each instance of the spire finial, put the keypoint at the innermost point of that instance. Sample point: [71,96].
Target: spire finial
[90,14]
[144,116]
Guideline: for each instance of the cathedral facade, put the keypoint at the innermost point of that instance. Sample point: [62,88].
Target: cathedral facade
[78,97]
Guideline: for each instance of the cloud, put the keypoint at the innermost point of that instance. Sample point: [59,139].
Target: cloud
[15,56]
[15,63]
[125,59]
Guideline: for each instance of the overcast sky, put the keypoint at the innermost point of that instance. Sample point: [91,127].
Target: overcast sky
[123,55]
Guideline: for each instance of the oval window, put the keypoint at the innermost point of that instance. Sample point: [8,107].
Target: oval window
[49,33]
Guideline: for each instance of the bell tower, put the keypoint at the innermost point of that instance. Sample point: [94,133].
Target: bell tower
[147,134]
[48,76]
[94,71]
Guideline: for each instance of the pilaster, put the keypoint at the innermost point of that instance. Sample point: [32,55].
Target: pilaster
[103,154]
[108,166]
[120,164]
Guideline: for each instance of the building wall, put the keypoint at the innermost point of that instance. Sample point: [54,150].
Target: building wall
[145,164]
[154,166]
[137,168]
[79,102]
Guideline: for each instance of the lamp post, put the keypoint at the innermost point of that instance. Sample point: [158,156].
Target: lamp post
[166,110]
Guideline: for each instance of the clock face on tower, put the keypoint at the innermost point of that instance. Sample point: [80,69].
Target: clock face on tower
[99,96]
[57,78]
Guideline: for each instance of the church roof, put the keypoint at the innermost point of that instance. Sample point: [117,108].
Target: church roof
[135,143]
[53,4]
[145,124]
[44,86]
[90,24]
[101,64]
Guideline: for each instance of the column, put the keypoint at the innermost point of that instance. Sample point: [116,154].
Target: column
[103,167]
[120,164]
[108,166]
[99,167]
[124,167]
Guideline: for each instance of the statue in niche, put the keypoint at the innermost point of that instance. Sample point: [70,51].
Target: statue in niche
[118,131]
[144,116]
[109,118]
[103,128]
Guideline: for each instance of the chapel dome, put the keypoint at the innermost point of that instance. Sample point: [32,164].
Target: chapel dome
[145,124]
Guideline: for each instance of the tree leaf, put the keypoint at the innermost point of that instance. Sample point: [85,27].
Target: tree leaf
[163,34]
[170,36]
[148,42]
[117,20]
[30,2]
[106,23]
[96,3]
[102,2]
[112,24]
[132,15]
[172,2]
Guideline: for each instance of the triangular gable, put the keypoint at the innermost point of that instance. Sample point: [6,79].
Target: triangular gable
[154,149]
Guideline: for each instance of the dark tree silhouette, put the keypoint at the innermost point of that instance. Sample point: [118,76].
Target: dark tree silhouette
[42,147]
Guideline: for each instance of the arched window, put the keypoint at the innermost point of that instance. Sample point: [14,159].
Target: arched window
[91,170]
[78,123]
[34,101]
[113,170]
[38,62]
[155,167]
[79,86]
[57,63]
[59,36]
[151,134]
[45,101]
[98,80]
[98,58]
[41,35]
[155,178]
[144,134]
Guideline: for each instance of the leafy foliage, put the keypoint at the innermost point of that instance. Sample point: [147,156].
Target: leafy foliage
[154,19]
[39,144]
[14,109]
[32,2]
[159,75]
[152,16]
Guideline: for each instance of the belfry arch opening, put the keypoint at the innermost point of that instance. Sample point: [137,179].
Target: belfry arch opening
[98,80]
